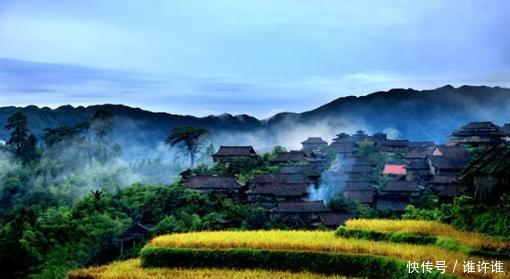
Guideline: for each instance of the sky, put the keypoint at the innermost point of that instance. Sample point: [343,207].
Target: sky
[254,57]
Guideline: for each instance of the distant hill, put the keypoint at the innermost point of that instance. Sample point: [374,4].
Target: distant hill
[408,113]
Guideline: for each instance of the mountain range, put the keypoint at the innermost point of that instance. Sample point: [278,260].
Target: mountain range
[403,113]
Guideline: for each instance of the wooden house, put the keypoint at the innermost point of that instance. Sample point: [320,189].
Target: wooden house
[361,191]
[442,165]
[477,134]
[132,236]
[391,145]
[446,187]
[343,148]
[227,154]
[267,189]
[225,185]
[308,212]
[488,177]
[418,170]
[307,171]
[401,188]
[314,144]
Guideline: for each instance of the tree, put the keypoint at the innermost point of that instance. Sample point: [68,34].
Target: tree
[17,123]
[29,149]
[190,136]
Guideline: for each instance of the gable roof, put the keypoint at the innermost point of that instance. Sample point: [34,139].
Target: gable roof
[421,143]
[479,128]
[295,156]
[361,169]
[236,151]
[418,152]
[495,162]
[301,207]
[304,169]
[393,143]
[358,186]
[443,179]
[343,146]
[456,152]
[397,169]
[212,182]
[401,186]
[446,163]
[281,189]
[417,164]
[267,178]
[314,140]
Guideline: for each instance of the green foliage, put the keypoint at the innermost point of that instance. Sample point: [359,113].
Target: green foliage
[414,213]
[22,141]
[340,203]
[352,265]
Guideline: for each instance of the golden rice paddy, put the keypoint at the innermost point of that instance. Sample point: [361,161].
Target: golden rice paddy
[474,240]
[131,269]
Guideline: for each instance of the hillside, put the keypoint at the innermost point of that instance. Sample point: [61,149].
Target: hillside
[407,113]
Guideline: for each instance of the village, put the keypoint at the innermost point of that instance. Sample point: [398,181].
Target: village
[375,171]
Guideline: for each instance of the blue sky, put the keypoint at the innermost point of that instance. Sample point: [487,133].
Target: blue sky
[256,57]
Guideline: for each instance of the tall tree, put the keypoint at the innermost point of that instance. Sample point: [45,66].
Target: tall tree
[17,124]
[190,136]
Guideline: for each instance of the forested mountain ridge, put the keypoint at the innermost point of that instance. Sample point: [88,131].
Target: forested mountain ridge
[418,115]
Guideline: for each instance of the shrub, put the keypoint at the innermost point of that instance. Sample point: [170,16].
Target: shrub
[366,266]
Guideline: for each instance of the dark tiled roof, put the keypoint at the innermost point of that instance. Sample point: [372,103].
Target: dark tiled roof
[295,156]
[363,169]
[358,186]
[361,196]
[301,207]
[480,125]
[442,162]
[266,178]
[314,140]
[443,179]
[401,186]
[281,189]
[418,152]
[417,164]
[212,182]
[456,152]
[236,151]
[421,143]
[393,143]
[304,169]
[343,146]
[358,177]
[479,128]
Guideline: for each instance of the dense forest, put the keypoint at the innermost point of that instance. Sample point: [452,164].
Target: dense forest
[65,202]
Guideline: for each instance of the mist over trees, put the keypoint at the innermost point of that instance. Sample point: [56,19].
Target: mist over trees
[66,201]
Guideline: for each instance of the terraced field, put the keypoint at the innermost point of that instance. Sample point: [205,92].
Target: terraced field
[131,269]
[471,239]
[310,254]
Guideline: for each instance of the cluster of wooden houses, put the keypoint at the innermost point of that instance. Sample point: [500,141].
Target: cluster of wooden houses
[392,186]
